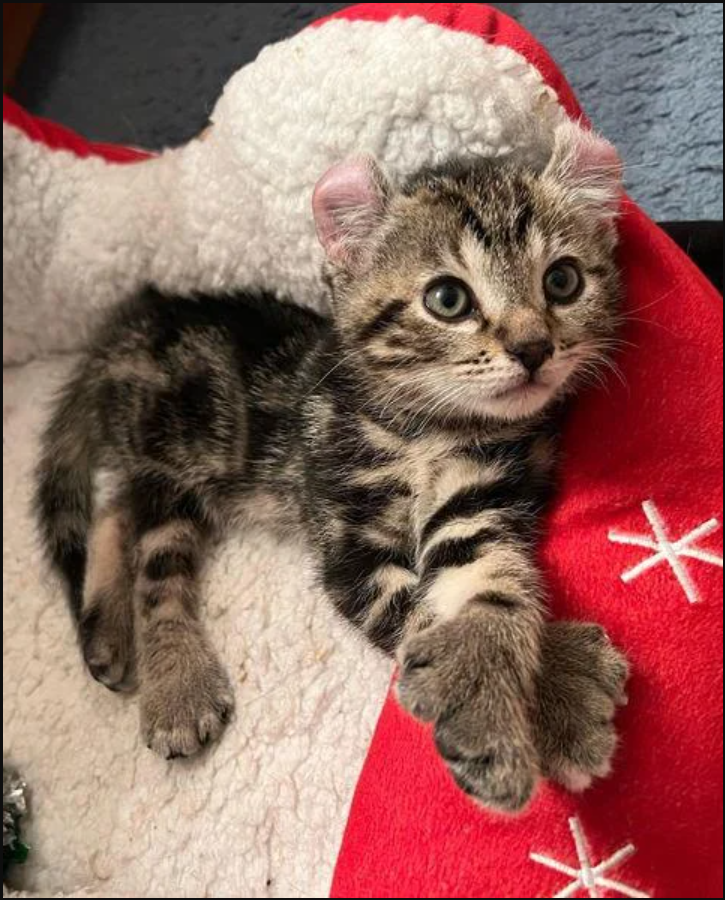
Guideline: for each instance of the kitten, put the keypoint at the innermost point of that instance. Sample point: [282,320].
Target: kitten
[412,437]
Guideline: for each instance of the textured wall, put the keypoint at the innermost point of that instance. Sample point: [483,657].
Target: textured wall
[649,74]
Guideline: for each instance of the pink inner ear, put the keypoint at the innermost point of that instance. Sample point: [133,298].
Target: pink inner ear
[594,154]
[589,166]
[346,203]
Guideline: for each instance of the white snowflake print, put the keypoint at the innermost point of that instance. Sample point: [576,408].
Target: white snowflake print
[589,877]
[666,550]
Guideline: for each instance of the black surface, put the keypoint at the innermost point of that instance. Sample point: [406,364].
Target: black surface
[702,242]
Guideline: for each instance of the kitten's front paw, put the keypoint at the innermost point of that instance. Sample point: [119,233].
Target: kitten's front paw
[186,703]
[481,718]
[582,682]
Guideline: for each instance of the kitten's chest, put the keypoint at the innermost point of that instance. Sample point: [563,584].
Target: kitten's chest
[401,481]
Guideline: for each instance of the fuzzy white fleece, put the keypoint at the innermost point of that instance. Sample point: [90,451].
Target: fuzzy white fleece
[263,814]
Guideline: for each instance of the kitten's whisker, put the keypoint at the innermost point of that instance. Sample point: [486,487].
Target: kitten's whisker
[440,403]
[653,323]
[639,309]
[337,365]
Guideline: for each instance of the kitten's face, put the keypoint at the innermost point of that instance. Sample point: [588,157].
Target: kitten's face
[475,289]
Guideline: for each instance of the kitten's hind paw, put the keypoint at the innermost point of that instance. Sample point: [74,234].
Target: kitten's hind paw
[107,642]
[185,705]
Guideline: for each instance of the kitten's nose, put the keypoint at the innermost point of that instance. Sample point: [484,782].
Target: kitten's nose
[531,354]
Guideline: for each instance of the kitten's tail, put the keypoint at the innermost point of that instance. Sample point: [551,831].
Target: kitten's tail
[64,493]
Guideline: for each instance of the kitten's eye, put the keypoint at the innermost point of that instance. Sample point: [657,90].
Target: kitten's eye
[448,299]
[563,282]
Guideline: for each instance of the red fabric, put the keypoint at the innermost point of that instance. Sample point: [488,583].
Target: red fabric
[411,832]
[57,137]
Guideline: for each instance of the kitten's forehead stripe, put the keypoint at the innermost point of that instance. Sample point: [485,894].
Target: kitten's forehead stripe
[522,220]
[472,222]
[469,218]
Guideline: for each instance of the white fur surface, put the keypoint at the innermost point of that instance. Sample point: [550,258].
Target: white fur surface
[234,209]
[263,814]
[268,804]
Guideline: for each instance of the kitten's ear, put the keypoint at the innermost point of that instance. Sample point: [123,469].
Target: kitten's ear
[589,166]
[348,203]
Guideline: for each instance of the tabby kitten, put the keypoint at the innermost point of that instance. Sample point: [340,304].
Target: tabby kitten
[412,437]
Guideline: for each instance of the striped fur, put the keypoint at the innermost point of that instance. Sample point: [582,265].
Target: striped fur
[412,452]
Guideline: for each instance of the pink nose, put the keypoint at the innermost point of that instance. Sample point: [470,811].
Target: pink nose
[531,354]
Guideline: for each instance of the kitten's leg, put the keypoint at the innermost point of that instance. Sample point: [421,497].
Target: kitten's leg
[186,695]
[470,666]
[582,681]
[106,625]
[372,587]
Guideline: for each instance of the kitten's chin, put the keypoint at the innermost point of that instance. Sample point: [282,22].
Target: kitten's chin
[520,402]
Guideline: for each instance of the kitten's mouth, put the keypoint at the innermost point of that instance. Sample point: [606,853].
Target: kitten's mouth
[524,389]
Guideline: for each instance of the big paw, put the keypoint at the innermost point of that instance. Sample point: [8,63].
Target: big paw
[479,710]
[582,683]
